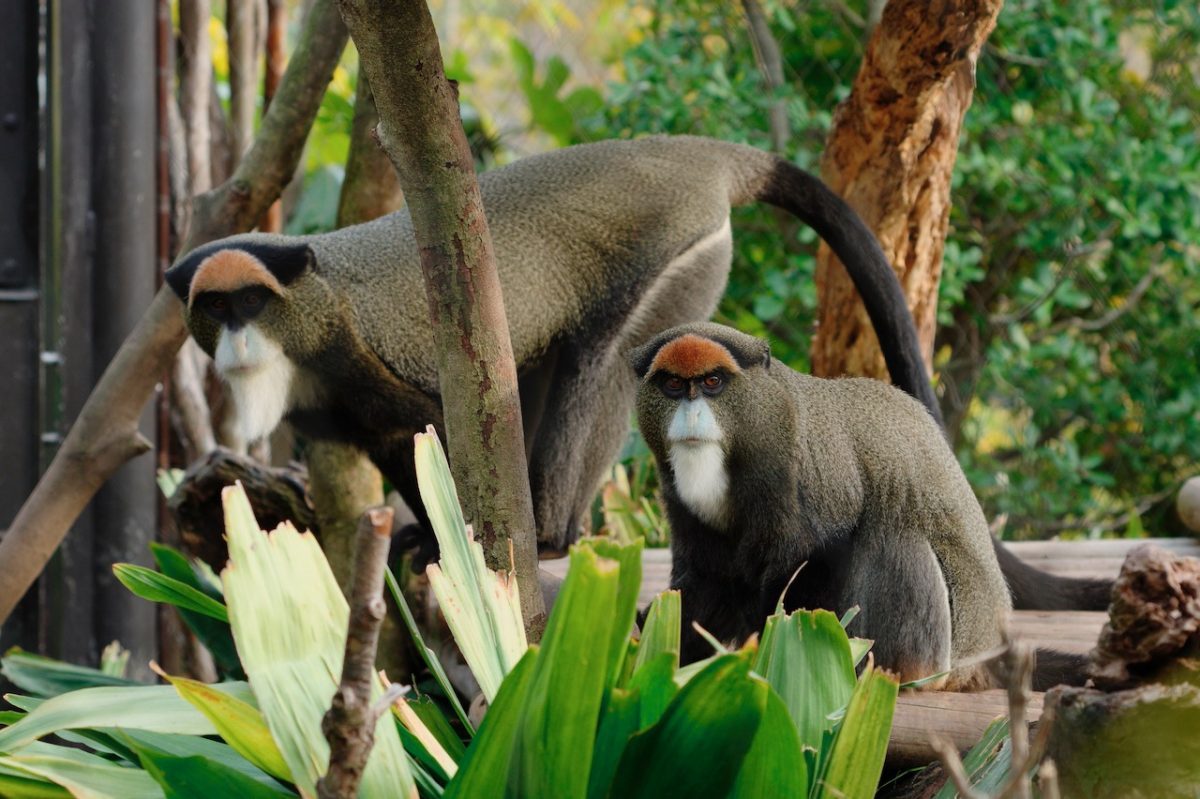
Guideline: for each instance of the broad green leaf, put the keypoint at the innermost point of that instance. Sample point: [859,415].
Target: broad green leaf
[157,708]
[197,777]
[860,744]
[660,633]
[46,677]
[136,741]
[982,758]
[627,711]
[775,764]
[435,721]
[85,775]
[289,621]
[806,658]
[239,723]
[563,705]
[215,635]
[624,611]
[698,746]
[419,739]
[23,785]
[157,587]
[482,607]
[484,770]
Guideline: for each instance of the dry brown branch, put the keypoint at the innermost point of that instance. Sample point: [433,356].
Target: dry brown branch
[891,154]
[349,724]
[272,221]
[105,435]
[243,71]
[421,131]
[195,85]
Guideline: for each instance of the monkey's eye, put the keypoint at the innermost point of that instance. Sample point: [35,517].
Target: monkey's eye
[252,300]
[674,386]
[713,382]
[217,304]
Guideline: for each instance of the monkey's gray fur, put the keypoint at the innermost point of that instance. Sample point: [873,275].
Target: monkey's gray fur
[598,247]
[850,477]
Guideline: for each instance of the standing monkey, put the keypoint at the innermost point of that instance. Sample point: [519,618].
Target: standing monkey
[599,247]
[765,469]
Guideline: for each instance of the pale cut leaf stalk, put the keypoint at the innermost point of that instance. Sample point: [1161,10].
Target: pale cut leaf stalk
[412,722]
[482,608]
[289,621]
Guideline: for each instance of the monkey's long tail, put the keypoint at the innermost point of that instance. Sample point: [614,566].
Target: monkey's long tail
[807,197]
[1033,589]
[1052,668]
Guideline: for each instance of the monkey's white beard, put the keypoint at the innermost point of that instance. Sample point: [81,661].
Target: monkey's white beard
[260,378]
[698,461]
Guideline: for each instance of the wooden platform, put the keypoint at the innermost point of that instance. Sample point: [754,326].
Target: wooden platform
[961,718]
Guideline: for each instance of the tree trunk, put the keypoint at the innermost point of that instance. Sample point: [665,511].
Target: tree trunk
[890,155]
[421,131]
[105,435]
[243,71]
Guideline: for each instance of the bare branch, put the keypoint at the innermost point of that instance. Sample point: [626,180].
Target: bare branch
[349,725]
[243,71]
[195,86]
[770,64]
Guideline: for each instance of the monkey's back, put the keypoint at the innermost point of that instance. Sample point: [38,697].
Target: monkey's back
[884,445]
[579,235]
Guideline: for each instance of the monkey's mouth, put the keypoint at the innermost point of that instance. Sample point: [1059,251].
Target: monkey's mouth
[693,441]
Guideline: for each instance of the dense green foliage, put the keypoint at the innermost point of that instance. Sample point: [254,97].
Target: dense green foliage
[1067,348]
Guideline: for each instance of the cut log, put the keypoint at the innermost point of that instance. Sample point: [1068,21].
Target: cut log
[958,718]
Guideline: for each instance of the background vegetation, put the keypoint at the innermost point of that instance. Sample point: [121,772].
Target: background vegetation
[1066,355]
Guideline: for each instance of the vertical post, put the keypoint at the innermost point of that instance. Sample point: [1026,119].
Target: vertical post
[124,125]
[19,274]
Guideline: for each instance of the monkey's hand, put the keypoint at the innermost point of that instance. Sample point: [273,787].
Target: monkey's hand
[418,540]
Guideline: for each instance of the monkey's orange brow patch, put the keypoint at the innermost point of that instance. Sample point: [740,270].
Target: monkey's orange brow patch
[691,356]
[230,270]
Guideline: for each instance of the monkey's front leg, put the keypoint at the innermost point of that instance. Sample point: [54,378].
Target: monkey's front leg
[717,606]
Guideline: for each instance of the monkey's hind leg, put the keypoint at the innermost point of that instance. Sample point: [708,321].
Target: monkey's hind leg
[904,606]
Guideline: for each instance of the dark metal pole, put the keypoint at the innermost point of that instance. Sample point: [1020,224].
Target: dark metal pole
[124,198]
[19,273]
[67,589]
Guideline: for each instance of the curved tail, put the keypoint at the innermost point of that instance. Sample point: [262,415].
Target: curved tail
[796,191]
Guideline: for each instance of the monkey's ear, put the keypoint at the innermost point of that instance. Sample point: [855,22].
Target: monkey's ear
[766,356]
[641,357]
[285,261]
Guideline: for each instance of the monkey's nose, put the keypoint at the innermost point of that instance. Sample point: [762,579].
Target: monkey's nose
[240,345]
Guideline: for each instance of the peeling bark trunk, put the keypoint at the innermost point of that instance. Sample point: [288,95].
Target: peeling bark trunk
[421,131]
[105,434]
[890,155]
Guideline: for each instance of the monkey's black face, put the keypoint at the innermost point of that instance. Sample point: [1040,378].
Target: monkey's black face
[677,388]
[233,309]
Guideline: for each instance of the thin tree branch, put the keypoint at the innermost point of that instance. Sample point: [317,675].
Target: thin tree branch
[770,64]
[349,724]
[194,88]
[243,71]
[421,131]
[105,435]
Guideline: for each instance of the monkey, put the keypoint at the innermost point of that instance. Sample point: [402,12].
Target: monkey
[598,246]
[764,471]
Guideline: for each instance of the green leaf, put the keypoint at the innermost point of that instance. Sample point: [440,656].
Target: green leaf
[239,723]
[485,768]
[149,707]
[698,746]
[85,775]
[627,712]
[427,654]
[435,721]
[860,744]
[624,610]
[23,785]
[660,633]
[562,708]
[775,764]
[197,777]
[215,635]
[135,741]
[988,763]
[806,658]
[156,587]
[46,677]
[482,607]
